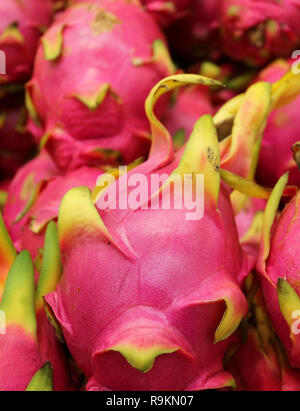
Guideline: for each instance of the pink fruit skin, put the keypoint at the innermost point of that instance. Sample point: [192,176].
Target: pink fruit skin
[166,12]
[47,205]
[281,133]
[31,17]
[200,27]
[20,359]
[29,232]
[127,291]
[53,351]
[253,370]
[255,31]
[122,57]
[190,105]
[28,177]
[283,262]
[15,143]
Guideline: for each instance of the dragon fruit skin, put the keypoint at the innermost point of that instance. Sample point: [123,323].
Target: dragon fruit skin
[258,362]
[278,266]
[159,318]
[41,345]
[51,348]
[15,143]
[281,133]
[21,25]
[166,12]
[189,106]
[23,189]
[96,114]
[41,182]
[255,31]
[20,356]
[201,35]
[46,207]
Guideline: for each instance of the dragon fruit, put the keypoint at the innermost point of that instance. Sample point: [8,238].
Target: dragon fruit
[20,355]
[21,25]
[278,266]
[255,31]
[34,197]
[281,133]
[29,333]
[24,190]
[153,316]
[15,143]
[96,114]
[258,361]
[166,12]
[201,32]
[189,105]
[46,206]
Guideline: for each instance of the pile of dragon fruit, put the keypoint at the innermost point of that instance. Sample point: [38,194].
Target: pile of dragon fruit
[99,98]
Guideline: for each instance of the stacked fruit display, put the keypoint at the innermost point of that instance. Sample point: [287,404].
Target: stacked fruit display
[149,195]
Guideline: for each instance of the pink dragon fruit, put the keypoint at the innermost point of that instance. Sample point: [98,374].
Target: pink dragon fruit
[258,361]
[255,31]
[166,12]
[46,206]
[189,105]
[17,273]
[24,190]
[34,197]
[278,266]
[281,133]
[21,25]
[153,316]
[200,28]
[15,143]
[96,114]
[42,380]
[20,355]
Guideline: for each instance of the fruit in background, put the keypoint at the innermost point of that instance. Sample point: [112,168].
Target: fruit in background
[281,133]
[27,338]
[21,25]
[187,106]
[166,12]
[103,57]
[16,144]
[196,36]
[256,31]
[258,362]
[24,190]
[34,197]
[278,266]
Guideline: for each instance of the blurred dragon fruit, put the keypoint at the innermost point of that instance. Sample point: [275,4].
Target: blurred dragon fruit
[23,191]
[103,58]
[258,362]
[21,25]
[166,12]
[196,35]
[20,355]
[34,197]
[154,316]
[15,143]
[27,338]
[281,133]
[255,31]
[279,265]
[186,108]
